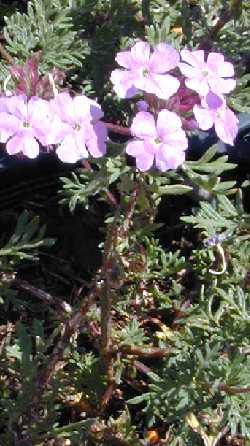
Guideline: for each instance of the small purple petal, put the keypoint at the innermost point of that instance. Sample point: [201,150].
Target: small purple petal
[213,101]
[142,106]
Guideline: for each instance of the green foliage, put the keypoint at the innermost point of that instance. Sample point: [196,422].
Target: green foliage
[178,281]
[219,217]
[132,334]
[47,27]
[25,241]
[84,183]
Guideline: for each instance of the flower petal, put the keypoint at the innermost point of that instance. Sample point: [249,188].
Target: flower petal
[68,151]
[63,105]
[96,142]
[85,107]
[167,85]
[222,86]
[141,53]
[135,148]
[169,158]
[52,132]
[226,69]
[216,63]
[199,84]
[189,71]
[194,58]
[24,143]
[213,101]
[17,105]
[214,60]
[125,59]
[3,104]
[162,85]
[144,162]
[38,109]
[142,106]
[167,122]
[123,82]
[204,117]
[9,125]
[226,126]
[143,125]
[164,58]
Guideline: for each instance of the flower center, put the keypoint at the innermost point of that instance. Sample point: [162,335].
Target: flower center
[25,124]
[205,72]
[157,141]
[145,72]
[77,127]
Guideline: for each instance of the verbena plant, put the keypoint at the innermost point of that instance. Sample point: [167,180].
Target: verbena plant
[165,317]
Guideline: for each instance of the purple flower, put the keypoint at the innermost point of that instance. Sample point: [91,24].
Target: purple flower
[145,71]
[163,142]
[80,116]
[23,122]
[214,74]
[142,106]
[214,111]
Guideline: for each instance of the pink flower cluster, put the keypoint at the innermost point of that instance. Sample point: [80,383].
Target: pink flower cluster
[184,90]
[71,123]
[181,92]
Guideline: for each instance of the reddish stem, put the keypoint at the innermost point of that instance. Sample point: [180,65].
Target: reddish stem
[119,129]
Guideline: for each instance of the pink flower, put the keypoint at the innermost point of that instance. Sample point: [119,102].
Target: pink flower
[214,74]
[214,112]
[145,71]
[163,142]
[22,123]
[84,130]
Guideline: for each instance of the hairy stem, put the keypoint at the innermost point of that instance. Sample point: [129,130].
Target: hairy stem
[5,55]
